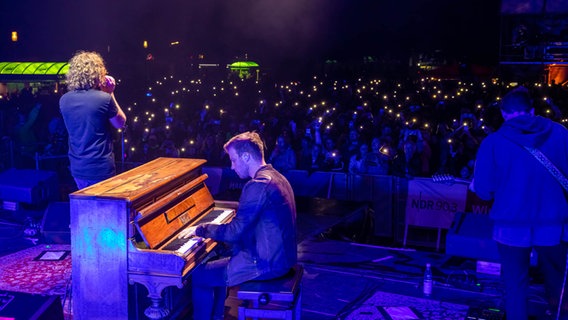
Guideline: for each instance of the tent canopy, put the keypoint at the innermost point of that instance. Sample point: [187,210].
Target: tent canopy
[243,65]
[32,71]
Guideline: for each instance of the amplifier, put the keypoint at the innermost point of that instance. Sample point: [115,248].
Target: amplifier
[28,186]
[470,236]
[25,306]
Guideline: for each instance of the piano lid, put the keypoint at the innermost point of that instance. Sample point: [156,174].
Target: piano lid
[156,177]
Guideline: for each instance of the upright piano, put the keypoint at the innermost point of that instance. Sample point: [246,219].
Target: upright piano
[128,229]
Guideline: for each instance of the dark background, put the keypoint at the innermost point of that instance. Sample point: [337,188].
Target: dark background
[267,31]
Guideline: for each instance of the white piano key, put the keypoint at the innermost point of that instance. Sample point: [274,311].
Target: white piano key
[188,232]
[220,218]
[189,245]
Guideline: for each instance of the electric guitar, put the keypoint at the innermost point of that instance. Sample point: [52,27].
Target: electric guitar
[449,179]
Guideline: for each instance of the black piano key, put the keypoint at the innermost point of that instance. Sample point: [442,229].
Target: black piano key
[177,243]
[211,216]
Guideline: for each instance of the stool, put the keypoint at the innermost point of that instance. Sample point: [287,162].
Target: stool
[279,298]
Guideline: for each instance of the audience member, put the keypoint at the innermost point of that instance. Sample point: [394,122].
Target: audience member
[282,158]
[407,162]
[358,161]
[25,136]
[378,160]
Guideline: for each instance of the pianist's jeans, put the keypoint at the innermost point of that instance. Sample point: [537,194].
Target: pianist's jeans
[83,183]
[209,289]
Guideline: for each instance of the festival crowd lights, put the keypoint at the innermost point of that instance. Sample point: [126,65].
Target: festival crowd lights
[322,101]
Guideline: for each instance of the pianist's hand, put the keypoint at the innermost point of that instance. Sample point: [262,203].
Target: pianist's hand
[188,233]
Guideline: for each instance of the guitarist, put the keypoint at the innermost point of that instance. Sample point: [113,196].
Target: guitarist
[530,209]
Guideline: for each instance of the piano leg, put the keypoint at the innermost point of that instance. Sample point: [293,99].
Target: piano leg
[157,310]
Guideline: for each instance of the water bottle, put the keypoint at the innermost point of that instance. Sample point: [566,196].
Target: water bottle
[534,258]
[428,281]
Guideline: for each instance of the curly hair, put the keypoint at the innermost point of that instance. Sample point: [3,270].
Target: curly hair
[86,71]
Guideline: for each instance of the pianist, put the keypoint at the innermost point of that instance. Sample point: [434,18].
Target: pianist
[262,234]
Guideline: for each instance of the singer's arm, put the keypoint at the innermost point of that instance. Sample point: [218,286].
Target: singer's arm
[119,120]
[108,86]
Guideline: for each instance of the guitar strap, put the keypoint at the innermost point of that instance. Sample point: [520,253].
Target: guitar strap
[546,163]
[549,166]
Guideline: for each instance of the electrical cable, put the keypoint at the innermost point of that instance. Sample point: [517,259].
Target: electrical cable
[123,147]
[562,291]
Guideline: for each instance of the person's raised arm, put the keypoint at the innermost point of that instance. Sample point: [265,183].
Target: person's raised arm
[119,120]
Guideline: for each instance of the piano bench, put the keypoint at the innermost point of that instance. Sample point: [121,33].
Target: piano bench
[279,298]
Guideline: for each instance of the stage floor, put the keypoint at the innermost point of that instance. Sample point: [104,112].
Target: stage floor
[345,279]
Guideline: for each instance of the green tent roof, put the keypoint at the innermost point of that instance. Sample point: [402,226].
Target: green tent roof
[32,71]
[243,65]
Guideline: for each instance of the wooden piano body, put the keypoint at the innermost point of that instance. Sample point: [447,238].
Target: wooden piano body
[122,231]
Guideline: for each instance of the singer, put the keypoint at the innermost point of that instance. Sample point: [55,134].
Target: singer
[87,108]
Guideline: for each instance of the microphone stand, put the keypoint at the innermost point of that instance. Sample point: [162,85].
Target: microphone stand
[122,135]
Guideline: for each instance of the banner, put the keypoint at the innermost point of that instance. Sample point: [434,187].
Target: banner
[476,205]
[433,204]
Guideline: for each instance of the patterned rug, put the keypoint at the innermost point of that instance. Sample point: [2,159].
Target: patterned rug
[43,269]
[391,306]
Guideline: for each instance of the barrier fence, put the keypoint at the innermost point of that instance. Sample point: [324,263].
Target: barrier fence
[396,202]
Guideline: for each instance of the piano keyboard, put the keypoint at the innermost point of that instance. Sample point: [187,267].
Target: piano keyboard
[216,216]
[183,245]
[186,247]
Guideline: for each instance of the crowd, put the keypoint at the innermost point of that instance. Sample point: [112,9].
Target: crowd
[419,126]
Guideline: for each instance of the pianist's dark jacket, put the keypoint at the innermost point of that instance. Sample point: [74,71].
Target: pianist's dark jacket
[263,231]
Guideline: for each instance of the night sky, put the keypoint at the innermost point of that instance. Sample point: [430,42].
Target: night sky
[268,31]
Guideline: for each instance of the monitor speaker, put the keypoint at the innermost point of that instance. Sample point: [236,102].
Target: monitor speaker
[470,236]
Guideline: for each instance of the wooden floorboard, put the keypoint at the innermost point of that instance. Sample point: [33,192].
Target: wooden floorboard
[340,274]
